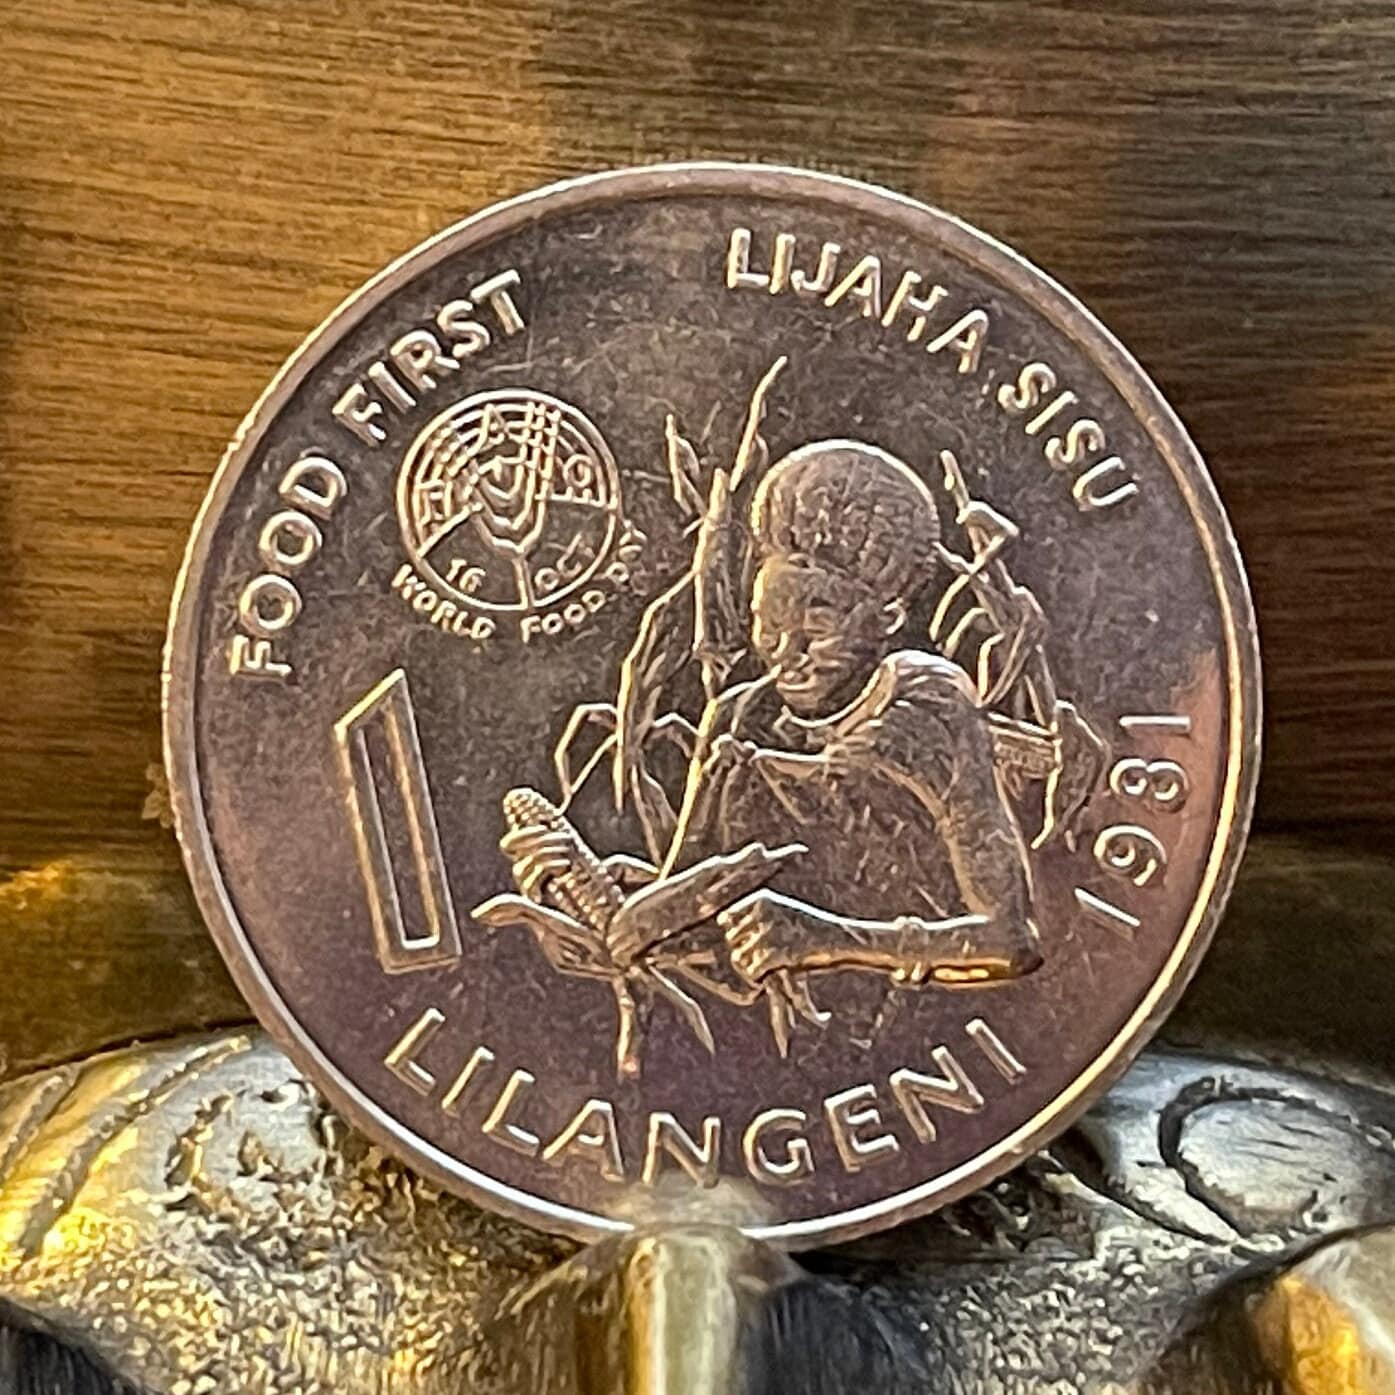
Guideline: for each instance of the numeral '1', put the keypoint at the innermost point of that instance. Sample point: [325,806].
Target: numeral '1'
[401,947]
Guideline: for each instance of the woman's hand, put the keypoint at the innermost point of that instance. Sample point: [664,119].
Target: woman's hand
[767,932]
[537,853]
[729,753]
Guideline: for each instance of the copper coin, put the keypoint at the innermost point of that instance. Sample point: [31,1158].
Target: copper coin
[712,691]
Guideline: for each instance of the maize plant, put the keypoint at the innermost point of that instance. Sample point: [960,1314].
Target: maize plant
[588,925]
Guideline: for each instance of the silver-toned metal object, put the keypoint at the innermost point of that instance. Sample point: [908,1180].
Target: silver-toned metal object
[195,1217]
[792,610]
[194,1214]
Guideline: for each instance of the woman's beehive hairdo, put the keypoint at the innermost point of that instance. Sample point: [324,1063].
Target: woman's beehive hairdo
[849,507]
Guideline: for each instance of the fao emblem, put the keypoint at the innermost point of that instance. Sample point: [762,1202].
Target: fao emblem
[509,505]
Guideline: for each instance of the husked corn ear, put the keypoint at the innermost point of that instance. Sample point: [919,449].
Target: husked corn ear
[586,891]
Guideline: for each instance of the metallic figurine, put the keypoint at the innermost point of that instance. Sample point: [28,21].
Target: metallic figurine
[790,609]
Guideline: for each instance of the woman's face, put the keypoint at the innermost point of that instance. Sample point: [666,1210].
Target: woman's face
[816,635]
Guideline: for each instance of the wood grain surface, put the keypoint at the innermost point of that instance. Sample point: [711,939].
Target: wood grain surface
[186,189]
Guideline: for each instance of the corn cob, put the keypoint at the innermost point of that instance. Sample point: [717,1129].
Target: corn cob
[586,891]
[592,898]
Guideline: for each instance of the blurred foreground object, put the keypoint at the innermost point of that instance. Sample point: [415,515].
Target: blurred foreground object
[194,1218]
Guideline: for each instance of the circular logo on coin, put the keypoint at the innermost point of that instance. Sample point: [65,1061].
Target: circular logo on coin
[883,775]
[509,501]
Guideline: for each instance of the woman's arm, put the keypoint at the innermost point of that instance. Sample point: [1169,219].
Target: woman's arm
[930,737]
[768,933]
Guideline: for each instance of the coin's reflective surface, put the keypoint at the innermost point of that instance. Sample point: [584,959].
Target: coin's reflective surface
[712,690]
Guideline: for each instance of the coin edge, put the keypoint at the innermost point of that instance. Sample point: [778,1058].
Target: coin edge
[1016,274]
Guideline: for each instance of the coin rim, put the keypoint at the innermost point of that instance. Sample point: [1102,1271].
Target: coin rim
[1016,275]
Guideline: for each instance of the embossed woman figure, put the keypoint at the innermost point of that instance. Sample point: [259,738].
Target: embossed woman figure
[850,808]
[877,756]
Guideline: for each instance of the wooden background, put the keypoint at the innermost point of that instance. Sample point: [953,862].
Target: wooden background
[186,189]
